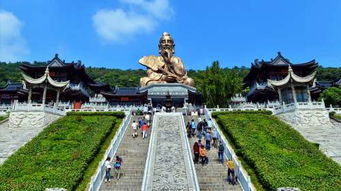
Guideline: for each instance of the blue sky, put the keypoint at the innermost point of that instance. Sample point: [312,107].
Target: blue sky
[115,34]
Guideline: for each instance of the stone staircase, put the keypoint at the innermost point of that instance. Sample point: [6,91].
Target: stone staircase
[134,153]
[211,176]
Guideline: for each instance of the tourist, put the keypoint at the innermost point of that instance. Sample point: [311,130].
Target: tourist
[117,165]
[208,138]
[145,109]
[203,155]
[230,172]
[188,128]
[107,165]
[147,117]
[134,127]
[205,125]
[144,130]
[201,111]
[199,129]
[221,149]
[215,137]
[193,126]
[196,151]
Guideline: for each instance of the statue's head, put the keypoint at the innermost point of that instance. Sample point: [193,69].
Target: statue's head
[166,45]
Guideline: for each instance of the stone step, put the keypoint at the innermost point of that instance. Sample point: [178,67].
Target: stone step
[211,176]
[134,153]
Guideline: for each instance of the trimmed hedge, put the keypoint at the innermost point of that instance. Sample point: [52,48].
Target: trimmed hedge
[116,114]
[337,116]
[3,117]
[59,156]
[278,154]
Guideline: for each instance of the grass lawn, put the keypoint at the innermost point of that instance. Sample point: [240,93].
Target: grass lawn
[276,155]
[62,154]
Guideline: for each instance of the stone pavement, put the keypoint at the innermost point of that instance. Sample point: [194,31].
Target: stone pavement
[134,153]
[328,136]
[211,176]
[170,165]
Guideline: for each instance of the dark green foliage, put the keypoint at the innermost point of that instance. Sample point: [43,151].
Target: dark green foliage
[332,96]
[218,85]
[59,156]
[328,73]
[278,154]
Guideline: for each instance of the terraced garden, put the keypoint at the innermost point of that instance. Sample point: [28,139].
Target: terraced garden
[65,154]
[276,155]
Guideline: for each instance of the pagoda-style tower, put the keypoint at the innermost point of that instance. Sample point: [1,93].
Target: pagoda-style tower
[275,69]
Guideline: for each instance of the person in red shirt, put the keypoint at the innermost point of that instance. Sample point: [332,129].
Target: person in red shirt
[144,130]
[196,151]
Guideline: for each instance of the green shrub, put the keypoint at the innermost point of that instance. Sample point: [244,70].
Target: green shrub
[3,117]
[80,113]
[59,156]
[265,112]
[334,115]
[277,154]
[337,116]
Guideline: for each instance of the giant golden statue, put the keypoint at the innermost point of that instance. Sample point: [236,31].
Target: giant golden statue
[165,68]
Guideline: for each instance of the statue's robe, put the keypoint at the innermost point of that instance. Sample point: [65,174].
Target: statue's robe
[155,75]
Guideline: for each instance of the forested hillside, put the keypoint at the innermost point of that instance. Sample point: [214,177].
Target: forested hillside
[126,78]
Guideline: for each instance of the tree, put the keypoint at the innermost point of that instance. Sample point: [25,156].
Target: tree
[218,85]
[332,96]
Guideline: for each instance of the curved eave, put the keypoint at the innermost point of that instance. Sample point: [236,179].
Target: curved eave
[294,78]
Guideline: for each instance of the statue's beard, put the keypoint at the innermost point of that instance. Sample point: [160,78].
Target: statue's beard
[167,54]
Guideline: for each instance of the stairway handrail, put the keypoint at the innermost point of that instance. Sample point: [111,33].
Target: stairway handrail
[147,168]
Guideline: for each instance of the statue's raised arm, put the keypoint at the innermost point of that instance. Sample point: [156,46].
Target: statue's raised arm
[165,68]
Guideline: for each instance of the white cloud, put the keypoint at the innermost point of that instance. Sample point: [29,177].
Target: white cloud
[112,25]
[12,45]
[117,25]
[160,9]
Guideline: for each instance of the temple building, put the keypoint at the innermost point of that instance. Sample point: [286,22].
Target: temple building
[125,96]
[54,82]
[12,91]
[276,70]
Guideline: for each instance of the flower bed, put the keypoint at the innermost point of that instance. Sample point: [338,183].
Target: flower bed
[59,156]
[277,154]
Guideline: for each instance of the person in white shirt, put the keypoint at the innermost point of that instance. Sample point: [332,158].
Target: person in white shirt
[134,127]
[108,167]
[147,118]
